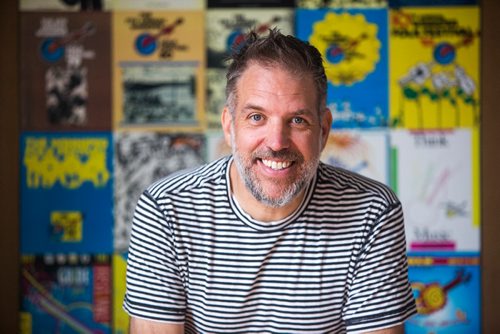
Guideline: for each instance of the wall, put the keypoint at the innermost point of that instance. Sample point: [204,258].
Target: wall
[9,121]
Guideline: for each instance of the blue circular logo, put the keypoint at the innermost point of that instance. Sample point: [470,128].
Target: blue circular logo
[445,53]
[145,44]
[335,54]
[51,51]
[235,40]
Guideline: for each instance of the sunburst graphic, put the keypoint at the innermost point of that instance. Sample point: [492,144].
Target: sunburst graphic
[349,46]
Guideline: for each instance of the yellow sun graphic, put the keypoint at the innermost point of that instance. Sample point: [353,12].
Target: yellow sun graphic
[349,46]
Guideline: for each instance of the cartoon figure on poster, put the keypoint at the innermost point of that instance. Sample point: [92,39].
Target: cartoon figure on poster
[440,88]
[354,46]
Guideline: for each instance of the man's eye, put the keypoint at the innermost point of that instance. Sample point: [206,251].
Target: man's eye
[256,117]
[298,120]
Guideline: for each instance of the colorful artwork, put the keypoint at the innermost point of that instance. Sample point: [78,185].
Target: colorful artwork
[249,3]
[438,184]
[434,75]
[65,294]
[66,71]
[315,4]
[120,317]
[154,4]
[142,158]
[430,3]
[353,43]
[365,152]
[159,73]
[225,29]
[62,5]
[66,193]
[447,291]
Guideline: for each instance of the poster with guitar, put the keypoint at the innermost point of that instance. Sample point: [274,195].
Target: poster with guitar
[447,290]
[158,72]
[65,66]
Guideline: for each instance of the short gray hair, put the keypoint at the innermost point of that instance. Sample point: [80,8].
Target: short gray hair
[275,49]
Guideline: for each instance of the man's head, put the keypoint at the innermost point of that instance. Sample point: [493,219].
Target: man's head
[276,119]
[276,50]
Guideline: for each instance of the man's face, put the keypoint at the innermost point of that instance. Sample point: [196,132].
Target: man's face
[276,133]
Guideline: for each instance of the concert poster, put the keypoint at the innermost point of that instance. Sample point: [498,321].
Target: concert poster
[316,4]
[159,71]
[142,158]
[121,319]
[65,294]
[66,71]
[225,30]
[434,73]
[436,176]
[354,46]
[447,291]
[365,152]
[66,202]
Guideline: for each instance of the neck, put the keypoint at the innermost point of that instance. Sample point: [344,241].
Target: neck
[255,208]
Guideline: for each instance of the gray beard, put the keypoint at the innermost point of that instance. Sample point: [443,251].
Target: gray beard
[306,174]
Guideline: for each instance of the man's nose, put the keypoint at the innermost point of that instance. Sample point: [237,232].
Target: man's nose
[278,136]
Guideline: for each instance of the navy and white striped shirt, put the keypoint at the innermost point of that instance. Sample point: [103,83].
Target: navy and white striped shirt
[336,265]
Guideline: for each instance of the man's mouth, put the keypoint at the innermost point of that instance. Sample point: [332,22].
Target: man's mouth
[276,165]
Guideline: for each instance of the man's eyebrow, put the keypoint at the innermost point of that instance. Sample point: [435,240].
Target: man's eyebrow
[251,107]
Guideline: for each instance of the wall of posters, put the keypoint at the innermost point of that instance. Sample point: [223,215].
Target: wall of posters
[118,94]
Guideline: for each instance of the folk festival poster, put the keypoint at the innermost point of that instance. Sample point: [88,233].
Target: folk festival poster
[434,74]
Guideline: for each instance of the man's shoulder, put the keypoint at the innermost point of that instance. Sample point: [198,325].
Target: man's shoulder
[187,180]
[344,181]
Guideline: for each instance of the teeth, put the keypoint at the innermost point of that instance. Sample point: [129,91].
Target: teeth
[276,165]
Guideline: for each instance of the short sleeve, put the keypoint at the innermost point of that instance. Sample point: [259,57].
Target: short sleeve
[380,294]
[154,288]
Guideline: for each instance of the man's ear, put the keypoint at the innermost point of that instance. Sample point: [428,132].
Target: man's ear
[226,121]
[326,125]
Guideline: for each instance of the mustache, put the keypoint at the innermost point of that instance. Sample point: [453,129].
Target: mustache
[284,154]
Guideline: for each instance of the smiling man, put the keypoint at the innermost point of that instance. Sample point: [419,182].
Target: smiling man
[269,239]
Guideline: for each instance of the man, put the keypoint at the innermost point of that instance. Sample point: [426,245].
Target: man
[269,240]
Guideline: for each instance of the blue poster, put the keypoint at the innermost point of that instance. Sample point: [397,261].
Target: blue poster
[66,294]
[447,292]
[354,46]
[66,193]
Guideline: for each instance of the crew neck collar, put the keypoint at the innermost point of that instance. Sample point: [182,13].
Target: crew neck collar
[267,225]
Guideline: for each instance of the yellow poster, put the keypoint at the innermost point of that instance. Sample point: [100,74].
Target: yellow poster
[434,67]
[158,70]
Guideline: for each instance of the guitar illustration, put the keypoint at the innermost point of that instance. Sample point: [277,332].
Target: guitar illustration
[236,38]
[432,297]
[146,43]
[53,48]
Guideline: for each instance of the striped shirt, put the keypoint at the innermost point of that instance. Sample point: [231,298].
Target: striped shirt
[336,265]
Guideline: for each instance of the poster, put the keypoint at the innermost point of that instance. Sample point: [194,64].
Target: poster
[225,29]
[65,294]
[447,291]
[65,66]
[434,74]
[62,5]
[365,152]
[354,45]
[436,177]
[118,5]
[66,193]
[142,158]
[120,317]
[315,4]
[159,71]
